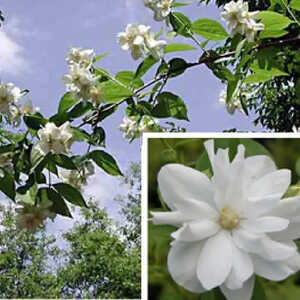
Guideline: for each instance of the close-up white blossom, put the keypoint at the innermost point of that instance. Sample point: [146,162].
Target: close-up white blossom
[80,82]
[240,20]
[31,217]
[232,226]
[161,8]
[82,57]
[295,129]
[140,40]
[55,139]
[133,128]
[9,94]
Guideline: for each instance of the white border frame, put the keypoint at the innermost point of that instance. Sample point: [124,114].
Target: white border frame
[144,169]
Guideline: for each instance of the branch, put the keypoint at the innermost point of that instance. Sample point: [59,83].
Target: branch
[203,60]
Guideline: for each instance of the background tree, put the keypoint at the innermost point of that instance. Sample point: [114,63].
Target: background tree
[100,260]
[25,260]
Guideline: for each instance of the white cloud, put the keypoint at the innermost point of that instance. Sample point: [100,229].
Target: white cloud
[12,54]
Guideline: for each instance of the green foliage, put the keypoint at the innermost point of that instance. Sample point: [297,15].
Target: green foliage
[170,105]
[209,29]
[177,47]
[274,24]
[105,161]
[101,258]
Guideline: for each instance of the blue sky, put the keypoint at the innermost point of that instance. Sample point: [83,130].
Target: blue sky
[38,34]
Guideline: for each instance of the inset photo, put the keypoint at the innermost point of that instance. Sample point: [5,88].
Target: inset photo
[223,216]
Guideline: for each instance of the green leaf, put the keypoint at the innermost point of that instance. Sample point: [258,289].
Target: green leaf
[170,105]
[209,29]
[105,161]
[66,102]
[274,23]
[71,194]
[145,66]
[59,205]
[295,4]
[129,79]
[80,135]
[7,148]
[181,24]
[177,47]
[99,57]
[64,162]
[258,292]
[115,92]
[179,4]
[257,77]
[34,122]
[7,185]
[98,137]
[80,109]
[177,66]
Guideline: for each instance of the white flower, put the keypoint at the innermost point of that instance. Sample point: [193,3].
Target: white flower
[79,178]
[80,81]
[14,114]
[55,139]
[140,41]
[30,217]
[231,226]
[240,20]
[9,94]
[133,127]
[295,129]
[82,57]
[232,105]
[161,8]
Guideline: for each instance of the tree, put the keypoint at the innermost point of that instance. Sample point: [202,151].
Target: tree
[24,261]
[131,206]
[101,259]
[99,264]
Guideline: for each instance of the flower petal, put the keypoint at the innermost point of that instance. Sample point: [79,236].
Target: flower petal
[170,218]
[262,245]
[271,270]
[177,182]
[287,208]
[244,293]
[196,231]
[275,183]
[242,269]
[182,265]
[215,261]
[291,233]
[258,166]
[266,224]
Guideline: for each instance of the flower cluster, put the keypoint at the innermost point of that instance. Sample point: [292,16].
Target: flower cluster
[81,81]
[31,217]
[240,20]
[230,226]
[133,126]
[140,40]
[9,104]
[79,178]
[55,139]
[161,8]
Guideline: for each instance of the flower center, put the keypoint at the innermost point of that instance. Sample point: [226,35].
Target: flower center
[228,219]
